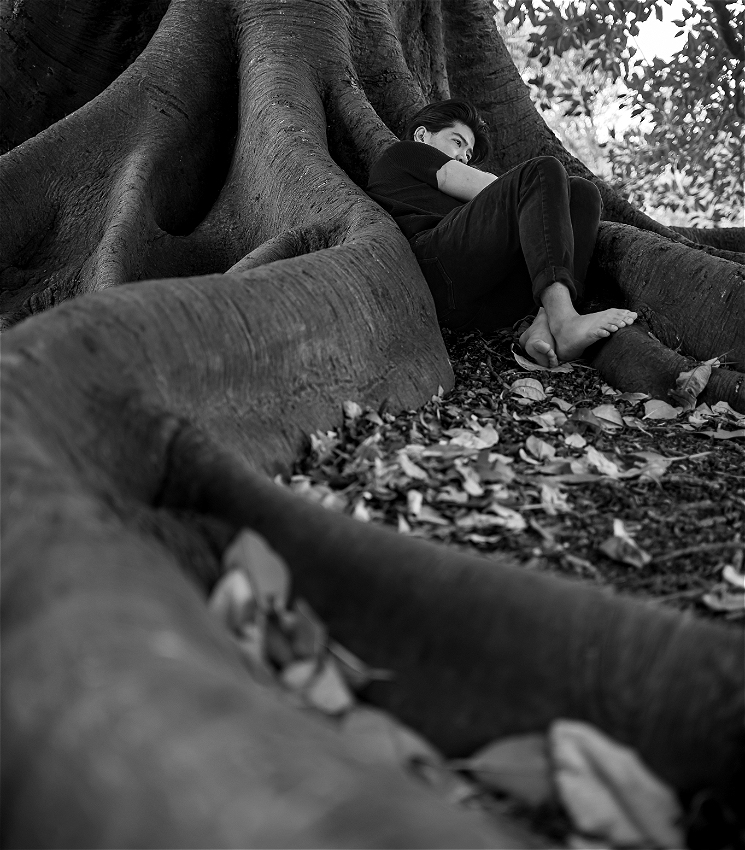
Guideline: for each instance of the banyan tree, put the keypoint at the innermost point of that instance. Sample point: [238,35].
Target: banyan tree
[192,280]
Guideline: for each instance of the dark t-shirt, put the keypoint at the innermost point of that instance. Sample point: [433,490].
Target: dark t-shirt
[404,182]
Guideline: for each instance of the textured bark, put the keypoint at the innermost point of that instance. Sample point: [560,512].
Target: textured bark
[54,57]
[727,238]
[141,420]
[703,321]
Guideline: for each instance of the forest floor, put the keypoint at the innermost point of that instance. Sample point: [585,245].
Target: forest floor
[563,474]
[555,469]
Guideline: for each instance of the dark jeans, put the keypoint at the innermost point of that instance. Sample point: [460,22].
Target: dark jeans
[488,262]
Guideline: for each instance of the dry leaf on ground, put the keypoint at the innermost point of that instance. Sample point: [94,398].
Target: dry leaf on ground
[657,409]
[233,599]
[623,548]
[328,691]
[528,388]
[518,766]
[689,385]
[267,572]
[609,416]
[609,792]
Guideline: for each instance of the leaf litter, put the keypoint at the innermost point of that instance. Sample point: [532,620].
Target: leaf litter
[602,788]
[563,474]
[512,444]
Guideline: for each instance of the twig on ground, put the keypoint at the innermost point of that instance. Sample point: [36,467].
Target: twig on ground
[695,550]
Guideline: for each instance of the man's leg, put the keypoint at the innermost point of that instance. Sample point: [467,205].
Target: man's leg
[559,332]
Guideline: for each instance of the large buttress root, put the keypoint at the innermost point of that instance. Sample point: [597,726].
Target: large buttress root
[701,321]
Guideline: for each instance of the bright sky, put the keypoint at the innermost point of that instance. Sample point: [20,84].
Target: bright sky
[657,38]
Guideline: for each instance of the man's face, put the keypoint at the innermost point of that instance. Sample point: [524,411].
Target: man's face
[456,142]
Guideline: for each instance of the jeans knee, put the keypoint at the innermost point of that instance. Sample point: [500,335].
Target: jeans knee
[586,192]
[549,165]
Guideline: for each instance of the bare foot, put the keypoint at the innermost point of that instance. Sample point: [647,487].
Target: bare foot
[574,334]
[538,341]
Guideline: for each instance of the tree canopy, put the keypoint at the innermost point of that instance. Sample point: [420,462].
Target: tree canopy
[681,147]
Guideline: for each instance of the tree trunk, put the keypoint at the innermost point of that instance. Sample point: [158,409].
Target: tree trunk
[226,160]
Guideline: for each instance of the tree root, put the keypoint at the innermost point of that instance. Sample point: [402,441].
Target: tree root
[634,360]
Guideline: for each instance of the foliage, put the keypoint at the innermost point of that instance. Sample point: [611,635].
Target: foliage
[681,147]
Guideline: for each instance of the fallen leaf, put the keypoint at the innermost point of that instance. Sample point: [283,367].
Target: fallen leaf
[322,444]
[414,502]
[653,465]
[482,438]
[548,421]
[719,434]
[731,575]
[410,469]
[352,410]
[623,548]
[361,512]
[610,419]
[494,471]
[523,455]
[334,502]
[689,385]
[575,441]
[554,501]
[609,792]
[724,408]
[471,480]
[528,388]
[602,463]
[582,419]
[540,449]
[511,520]
[633,398]
[449,495]
[427,514]
[298,674]
[328,691]
[633,422]
[657,409]
[722,597]
[233,599]
[518,766]
[474,519]
[267,572]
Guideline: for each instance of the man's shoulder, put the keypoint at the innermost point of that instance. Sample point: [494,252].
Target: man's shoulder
[414,150]
[409,156]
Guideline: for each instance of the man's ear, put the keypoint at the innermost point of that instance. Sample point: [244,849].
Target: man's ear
[419,134]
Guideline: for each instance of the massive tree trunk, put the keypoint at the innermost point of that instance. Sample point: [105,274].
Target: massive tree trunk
[222,169]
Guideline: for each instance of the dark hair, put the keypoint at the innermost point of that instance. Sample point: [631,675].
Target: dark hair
[443,114]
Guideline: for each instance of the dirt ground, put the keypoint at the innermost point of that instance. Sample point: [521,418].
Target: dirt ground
[535,486]
[563,474]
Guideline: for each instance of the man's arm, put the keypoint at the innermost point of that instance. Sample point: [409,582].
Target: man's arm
[461,181]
